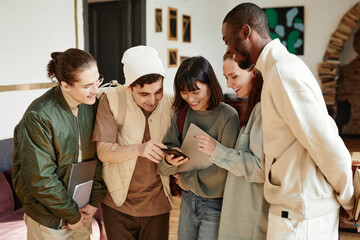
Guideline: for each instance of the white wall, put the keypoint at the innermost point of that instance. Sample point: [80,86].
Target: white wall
[30,31]
[320,18]
[205,33]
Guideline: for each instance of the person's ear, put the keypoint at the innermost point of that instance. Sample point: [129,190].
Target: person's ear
[245,31]
[254,72]
[129,89]
[65,86]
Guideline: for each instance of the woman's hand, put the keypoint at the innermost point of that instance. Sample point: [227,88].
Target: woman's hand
[176,161]
[206,144]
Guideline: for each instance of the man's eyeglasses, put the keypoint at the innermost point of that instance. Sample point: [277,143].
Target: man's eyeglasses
[90,87]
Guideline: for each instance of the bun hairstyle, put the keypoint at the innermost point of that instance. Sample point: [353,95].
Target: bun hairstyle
[65,66]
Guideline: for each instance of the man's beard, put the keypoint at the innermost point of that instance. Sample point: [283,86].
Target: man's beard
[242,51]
[246,63]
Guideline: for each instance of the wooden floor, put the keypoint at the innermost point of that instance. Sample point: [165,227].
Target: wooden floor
[174,219]
[352,144]
[344,235]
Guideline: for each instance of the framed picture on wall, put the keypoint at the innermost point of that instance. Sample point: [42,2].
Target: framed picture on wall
[172,24]
[172,57]
[287,24]
[186,24]
[158,20]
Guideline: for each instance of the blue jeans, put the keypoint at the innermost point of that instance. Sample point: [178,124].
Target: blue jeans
[199,217]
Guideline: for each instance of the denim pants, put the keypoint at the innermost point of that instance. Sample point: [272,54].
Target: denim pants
[199,217]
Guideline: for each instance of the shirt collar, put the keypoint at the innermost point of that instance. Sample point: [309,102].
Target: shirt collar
[73,104]
[270,52]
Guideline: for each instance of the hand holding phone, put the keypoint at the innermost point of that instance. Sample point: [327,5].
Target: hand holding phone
[172,151]
[175,157]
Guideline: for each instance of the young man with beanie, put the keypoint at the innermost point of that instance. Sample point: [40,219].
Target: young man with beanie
[307,166]
[129,129]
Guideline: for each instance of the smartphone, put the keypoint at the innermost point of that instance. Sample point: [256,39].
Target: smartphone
[174,152]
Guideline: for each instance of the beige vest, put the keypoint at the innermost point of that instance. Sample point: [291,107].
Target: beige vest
[131,123]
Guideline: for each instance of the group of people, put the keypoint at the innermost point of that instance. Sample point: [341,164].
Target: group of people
[279,169]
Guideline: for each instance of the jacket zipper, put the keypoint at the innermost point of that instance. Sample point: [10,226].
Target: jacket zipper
[77,140]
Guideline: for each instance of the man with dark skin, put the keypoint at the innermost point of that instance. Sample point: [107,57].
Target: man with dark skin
[307,166]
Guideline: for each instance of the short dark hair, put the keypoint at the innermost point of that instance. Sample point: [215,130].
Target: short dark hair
[146,79]
[65,66]
[251,14]
[196,69]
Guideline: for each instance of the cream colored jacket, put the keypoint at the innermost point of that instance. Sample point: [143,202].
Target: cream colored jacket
[117,176]
[307,166]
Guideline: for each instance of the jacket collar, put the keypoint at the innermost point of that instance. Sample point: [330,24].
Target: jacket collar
[69,99]
[73,104]
[61,99]
[271,52]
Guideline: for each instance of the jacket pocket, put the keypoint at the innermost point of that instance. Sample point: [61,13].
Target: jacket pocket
[284,174]
[315,184]
[117,177]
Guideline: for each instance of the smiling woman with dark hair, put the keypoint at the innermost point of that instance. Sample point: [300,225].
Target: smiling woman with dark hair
[191,71]
[198,94]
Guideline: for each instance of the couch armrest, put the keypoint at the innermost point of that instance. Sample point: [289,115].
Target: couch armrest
[6,197]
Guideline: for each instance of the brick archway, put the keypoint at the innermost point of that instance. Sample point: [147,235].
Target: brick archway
[328,70]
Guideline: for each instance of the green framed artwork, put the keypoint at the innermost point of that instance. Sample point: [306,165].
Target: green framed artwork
[287,24]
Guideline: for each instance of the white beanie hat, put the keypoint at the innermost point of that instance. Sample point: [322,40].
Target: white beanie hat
[139,61]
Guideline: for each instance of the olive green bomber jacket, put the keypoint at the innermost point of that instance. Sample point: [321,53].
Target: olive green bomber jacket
[45,146]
